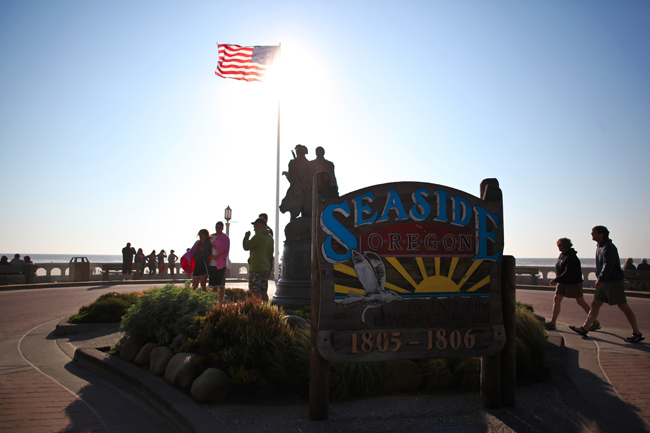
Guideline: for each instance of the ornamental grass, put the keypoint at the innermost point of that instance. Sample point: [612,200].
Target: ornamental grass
[253,343]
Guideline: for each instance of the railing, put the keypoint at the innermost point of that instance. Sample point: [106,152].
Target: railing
[548,273]
[60,272]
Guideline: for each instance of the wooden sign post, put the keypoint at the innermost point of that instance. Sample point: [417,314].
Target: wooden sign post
[402,271]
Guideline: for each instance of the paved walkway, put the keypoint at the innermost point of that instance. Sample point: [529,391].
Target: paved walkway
[603,384]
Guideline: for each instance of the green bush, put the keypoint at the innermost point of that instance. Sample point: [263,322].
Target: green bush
[164,314]
[305,313]
[236,295]
[253,343]
[108,308]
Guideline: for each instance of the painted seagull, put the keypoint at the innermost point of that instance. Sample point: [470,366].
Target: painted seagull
[371,272]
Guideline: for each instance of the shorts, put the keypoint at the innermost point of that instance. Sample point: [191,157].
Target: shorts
[126,268]
[258,281]
[611,292]
[569,290]
[200,269]
[217,277]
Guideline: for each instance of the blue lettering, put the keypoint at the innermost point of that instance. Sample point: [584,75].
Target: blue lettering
[421,208]
[360,209]
[336,232]
[483,235]
[442,205]
[461,211]
[393,202]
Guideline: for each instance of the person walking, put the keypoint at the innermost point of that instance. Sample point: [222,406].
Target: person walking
[172,262]
[568,277]
[610,285]
[219,261]
[259,262]
[127,261]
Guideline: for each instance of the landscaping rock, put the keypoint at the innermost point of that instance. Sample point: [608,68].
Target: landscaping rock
[403,376]
[159,358]
[180,370]
[212,386]
[294,321]
[130,348]
[144,354]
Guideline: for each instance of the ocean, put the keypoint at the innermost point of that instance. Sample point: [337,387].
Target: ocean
[117,258]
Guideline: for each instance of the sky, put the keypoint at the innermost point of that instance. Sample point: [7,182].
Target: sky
[114,128]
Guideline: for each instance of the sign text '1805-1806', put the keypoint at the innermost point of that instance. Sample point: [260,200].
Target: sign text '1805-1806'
[441,339]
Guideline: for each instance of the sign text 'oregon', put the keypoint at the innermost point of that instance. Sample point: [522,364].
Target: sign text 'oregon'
[409,270]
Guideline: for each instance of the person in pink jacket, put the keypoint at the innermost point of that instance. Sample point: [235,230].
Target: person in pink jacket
[219,261]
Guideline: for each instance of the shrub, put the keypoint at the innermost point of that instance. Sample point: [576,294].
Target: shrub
[236,295]
[108,308]
[530,346]
[252,342]
[305,313]
[356,379]
[163,314]
[450,374]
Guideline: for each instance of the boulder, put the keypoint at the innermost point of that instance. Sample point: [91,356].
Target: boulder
[294,321]
[180,370]
[159,358]
[402,376]
[143,355]
[130,348]
[212,386]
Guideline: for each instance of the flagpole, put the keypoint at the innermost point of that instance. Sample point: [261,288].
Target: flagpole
[276,262]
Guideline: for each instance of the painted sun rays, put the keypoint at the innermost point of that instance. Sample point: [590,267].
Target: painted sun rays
[420,281]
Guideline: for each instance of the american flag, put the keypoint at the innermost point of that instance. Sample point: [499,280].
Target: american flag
[245,63]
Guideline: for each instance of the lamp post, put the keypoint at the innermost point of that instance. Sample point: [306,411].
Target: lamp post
[228,217]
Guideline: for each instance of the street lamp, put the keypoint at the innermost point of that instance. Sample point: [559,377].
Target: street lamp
[228,217]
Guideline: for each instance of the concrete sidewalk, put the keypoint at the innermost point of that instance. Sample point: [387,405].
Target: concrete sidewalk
[43,389]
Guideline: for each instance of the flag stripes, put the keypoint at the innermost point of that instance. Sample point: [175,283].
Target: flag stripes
[245,63]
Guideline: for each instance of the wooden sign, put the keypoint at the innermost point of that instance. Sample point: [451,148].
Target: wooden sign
[408,270]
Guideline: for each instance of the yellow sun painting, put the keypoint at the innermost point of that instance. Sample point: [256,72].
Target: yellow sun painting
[418,278]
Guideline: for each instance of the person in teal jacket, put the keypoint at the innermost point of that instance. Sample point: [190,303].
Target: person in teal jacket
[259,262]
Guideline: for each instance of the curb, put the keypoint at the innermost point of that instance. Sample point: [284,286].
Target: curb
[171,404]
[64,328]
[573,398]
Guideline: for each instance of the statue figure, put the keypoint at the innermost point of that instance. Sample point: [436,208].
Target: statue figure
[297,201]
[321,164]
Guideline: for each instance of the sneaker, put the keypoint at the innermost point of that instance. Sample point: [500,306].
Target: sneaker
[549,326]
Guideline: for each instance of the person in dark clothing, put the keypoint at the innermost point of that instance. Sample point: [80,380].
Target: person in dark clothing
[140,259]
[610,285]
[202,261]
[127,261]
[629,265]
[568,277]
[643,266]
[151,263]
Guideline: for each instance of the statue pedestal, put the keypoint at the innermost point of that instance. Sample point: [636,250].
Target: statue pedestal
[293,289]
